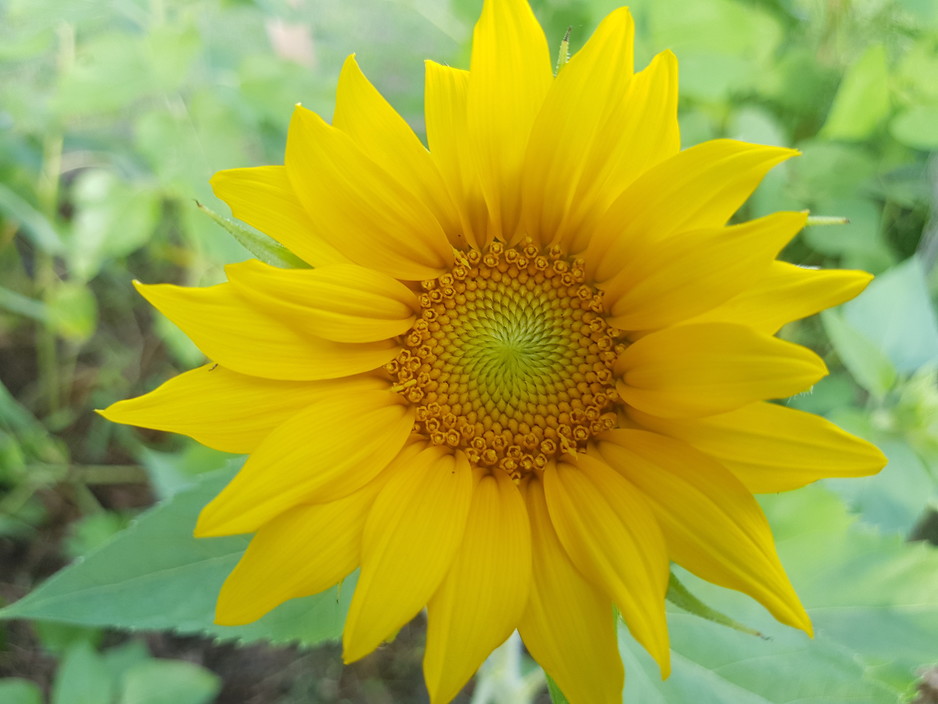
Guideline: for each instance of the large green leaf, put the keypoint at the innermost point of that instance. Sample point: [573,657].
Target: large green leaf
[156,576]
[872,598]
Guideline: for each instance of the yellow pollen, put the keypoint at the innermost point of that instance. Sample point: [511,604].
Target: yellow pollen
[510,360]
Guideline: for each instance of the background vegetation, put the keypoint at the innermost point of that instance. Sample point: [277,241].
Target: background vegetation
[113,116]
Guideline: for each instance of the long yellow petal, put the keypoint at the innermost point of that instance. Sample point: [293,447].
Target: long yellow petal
[410,539]
[568,626]
[225,410]
[342,302]
[360,208]
[610,534]
[698,188]
[710,267]
[711,523]
[301,552]
[641,133]
[484,594]
[445,104]
[577,108]
[232,332]
[332,448]
[730,366]
[772,448]
[381,133]
[510,73]
[263,197]
[787,292]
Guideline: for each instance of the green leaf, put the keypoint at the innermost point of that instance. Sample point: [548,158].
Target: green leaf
[917,127]
[82,678]
[873,600]
[866,363]
[14,690]
[680,596]
[556,696]
[862,101]
[73,310]
[37,226]
[896,316]
[168,682]
[156,576]
[257,243]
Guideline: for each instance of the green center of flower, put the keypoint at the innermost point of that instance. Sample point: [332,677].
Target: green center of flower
[511,359]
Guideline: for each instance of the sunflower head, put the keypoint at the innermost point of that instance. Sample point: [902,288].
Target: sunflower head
[530,367]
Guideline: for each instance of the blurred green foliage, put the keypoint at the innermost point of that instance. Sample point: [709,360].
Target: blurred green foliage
[113,116]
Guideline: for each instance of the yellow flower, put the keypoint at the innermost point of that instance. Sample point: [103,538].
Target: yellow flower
[528,370]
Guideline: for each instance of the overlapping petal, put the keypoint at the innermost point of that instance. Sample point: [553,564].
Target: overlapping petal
[342,302]
[698,188]
[568,626]
[484,594]
[360,208]
[773,448]
[785,293]
[226,410]
[710,267]
[253,340]
[510,74]
[711,523]
[576,115]
[709,368]
[335,446]
[263,197]
[610,534]
[410,539]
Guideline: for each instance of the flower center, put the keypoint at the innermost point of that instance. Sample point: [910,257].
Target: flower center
[511,359]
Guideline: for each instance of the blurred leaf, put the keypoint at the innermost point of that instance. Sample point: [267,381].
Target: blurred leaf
[873,601]
[21,305]
[73,310]
[862,102]
[257,243]
[155,681]
[14,690]
[59,638]
[865,362]
[121,658]
[92,531]
[113,218]
[896,316]
[894,499]
[109,74]
[82,678]
[827,170]
[171,472]
[156,576]
[917,127]
[556,696]
[36,225]
[170,52]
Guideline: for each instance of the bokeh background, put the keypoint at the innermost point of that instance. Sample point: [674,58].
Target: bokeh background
[113,116]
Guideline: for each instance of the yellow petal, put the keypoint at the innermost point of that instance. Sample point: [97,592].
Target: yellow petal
[342,302]
[510,74]
[710,267]
[773,448]
[483,596]
[301,552]
[225,410]
[698,188]
[445,99]
[230,331]
[642,132]
[708,368]
[263,198]
[788,292]
[335,446]
[381,133]
[711,523]
[568,626]
[611,536]
[411,535]
[360,208]
[587,91]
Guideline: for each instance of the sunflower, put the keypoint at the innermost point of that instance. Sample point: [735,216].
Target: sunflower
[527,369]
